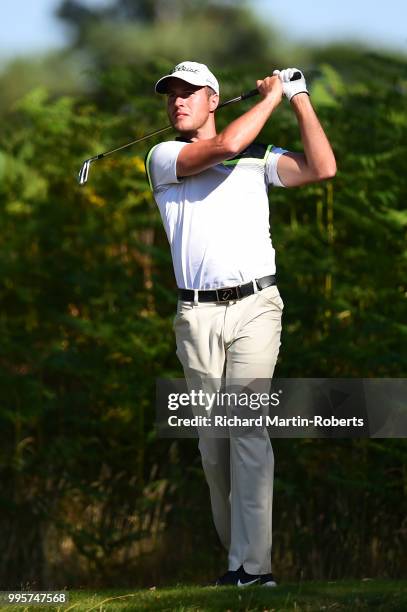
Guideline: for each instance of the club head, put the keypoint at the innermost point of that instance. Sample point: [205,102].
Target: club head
[84,172]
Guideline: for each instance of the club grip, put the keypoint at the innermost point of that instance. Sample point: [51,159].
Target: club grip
[254,92]
[249,94]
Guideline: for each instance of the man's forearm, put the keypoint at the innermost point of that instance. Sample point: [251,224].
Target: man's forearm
[242,131]
[203,154]
[317,150]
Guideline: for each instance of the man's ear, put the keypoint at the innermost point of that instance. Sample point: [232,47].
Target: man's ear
[213,102]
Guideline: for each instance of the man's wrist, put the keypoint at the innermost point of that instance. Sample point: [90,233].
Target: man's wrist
[270,101]
[300,99]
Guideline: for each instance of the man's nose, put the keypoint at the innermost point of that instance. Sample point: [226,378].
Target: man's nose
[179,101]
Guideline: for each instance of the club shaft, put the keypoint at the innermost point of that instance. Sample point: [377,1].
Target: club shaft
[133,142]
[253,92]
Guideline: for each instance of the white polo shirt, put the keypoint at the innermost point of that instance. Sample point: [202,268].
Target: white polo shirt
[217,221]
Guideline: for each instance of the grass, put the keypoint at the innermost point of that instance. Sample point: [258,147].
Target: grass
[385,595]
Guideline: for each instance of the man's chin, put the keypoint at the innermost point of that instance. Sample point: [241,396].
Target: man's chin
[183,126]
[186,133]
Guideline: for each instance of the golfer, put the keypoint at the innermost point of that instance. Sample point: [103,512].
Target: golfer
[211,190]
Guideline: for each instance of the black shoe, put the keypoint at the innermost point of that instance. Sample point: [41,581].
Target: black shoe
[231,578]
[245,579]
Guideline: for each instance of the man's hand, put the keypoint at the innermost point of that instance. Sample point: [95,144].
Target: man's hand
[291,88]
[271,88]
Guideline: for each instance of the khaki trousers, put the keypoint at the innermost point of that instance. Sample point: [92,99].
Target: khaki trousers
[234,341]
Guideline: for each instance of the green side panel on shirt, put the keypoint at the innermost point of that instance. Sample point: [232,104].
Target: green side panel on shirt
[232,162]
[268,152]
[146,163]
[246,158]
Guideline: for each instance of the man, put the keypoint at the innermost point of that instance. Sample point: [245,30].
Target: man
[211,189]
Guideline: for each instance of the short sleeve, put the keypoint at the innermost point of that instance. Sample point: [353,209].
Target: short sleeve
[272,157]
[161,164]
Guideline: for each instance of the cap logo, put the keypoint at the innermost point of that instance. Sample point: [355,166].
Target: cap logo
[181,67]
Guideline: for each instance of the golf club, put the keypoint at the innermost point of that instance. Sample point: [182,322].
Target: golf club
[84,171]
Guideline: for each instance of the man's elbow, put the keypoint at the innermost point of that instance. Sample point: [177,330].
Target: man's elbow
[327,172]
[229,147]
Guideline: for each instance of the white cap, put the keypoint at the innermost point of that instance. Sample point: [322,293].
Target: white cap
[191,72]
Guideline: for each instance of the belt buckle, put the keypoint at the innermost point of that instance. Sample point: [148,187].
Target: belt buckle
[227,294]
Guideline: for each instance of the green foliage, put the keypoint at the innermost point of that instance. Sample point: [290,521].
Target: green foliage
[345,290]
[59,72]
[81,341]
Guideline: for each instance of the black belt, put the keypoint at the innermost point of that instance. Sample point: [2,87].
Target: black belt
[226,294]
